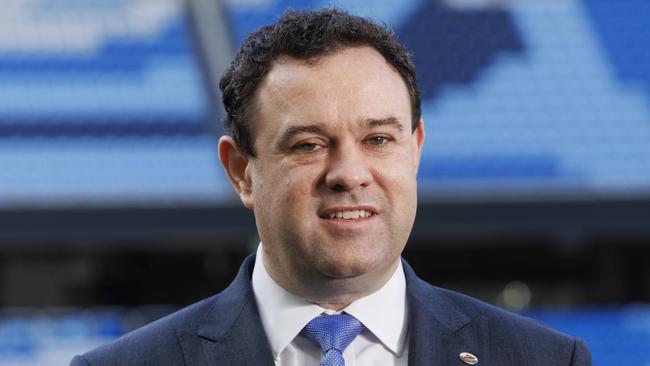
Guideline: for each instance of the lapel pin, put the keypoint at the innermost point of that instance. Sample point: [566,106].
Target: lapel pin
[468,358]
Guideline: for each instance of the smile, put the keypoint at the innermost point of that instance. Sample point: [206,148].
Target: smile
[350,215]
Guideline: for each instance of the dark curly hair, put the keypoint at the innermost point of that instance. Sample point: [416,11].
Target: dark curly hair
[303,35]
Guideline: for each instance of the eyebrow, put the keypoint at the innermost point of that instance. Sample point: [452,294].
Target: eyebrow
[384,122]
[290,132]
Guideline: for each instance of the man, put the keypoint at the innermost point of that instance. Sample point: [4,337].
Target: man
[324,146]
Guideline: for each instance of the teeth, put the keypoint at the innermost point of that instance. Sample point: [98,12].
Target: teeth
[350,215]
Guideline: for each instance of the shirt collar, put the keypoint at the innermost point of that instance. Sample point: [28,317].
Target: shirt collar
[283,314]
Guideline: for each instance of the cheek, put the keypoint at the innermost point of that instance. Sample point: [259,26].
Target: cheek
[299,191]
[398,175]
[286,190]
[398,182]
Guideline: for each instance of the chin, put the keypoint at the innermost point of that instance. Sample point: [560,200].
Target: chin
[343,269]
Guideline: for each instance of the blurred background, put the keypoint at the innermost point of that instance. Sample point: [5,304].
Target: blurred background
[534,184]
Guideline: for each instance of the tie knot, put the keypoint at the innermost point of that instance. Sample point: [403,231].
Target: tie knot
[333,331]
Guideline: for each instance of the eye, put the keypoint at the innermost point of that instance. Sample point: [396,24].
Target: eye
[378,140]
[306,147]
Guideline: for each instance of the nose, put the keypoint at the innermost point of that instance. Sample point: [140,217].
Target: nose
[347,169]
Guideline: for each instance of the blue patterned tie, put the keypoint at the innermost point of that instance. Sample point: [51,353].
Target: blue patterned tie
[333,333]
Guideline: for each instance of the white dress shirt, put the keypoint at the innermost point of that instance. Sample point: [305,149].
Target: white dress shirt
[384,314]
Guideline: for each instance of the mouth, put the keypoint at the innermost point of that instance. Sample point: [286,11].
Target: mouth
[348,213]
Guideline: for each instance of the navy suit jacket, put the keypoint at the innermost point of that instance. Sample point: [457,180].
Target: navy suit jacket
[226,330]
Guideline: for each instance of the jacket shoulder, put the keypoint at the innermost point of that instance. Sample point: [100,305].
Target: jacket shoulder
[159,343]
[500,318]
[153,344]
[515,336]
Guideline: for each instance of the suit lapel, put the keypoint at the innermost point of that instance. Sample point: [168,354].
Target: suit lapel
[439,330]
[231,332]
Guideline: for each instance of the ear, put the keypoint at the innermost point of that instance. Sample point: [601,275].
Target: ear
[235,164]
[419,142]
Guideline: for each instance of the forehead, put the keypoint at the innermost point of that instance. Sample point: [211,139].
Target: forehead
[350,85]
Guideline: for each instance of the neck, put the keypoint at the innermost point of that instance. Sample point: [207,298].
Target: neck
[335,306]
[333,295]
[330,293]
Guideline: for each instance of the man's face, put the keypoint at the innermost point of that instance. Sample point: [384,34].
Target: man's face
[333,186]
